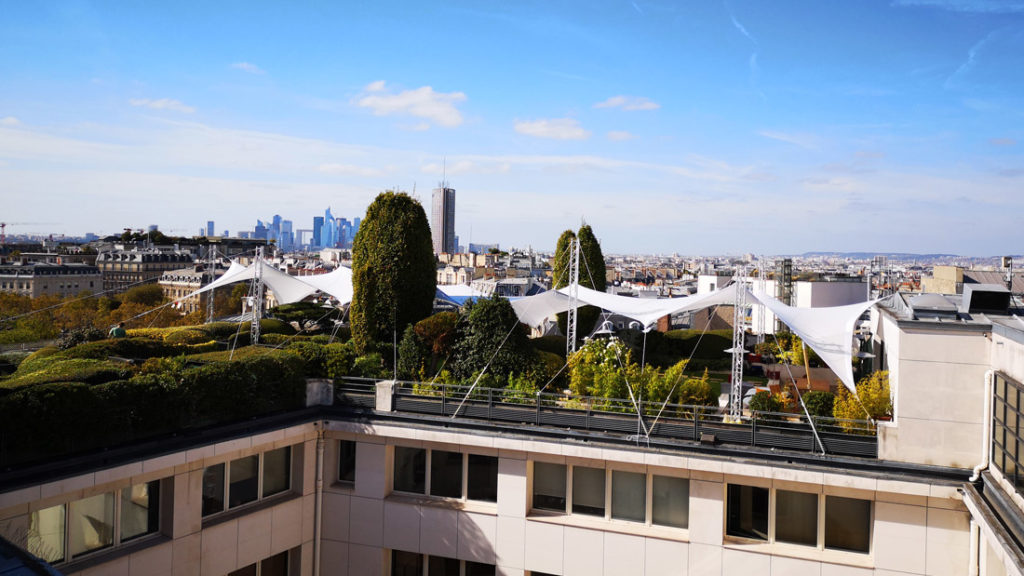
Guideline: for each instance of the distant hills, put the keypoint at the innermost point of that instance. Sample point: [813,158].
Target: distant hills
[889,255]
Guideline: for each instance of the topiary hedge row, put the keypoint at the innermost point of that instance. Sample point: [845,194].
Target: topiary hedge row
[42,421]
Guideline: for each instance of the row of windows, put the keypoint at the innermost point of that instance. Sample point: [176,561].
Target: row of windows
[445,474]
[807,519]
[276,565]
[413,564]
[247,479]
[1007,441]
[612,494]
[71,530]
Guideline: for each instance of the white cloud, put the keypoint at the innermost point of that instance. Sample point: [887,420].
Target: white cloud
[9,121]
[807,141]
[629,103]
[248,67]
[620,135]
[162,104]
[348,170]
[423,102]
[554,128]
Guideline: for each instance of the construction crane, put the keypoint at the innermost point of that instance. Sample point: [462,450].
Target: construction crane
[4,225]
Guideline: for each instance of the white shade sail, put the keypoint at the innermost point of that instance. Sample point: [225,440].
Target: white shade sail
[532,310]
[337,283]
[828,331]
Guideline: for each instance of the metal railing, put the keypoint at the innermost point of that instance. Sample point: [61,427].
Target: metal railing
[619,416]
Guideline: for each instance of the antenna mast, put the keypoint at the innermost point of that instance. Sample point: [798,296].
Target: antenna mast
[257,298]
[213,276]
[738,331]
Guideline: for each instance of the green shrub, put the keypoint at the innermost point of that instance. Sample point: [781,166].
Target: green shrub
[84,370]
[222,330]
[550,344]
[73,338]
[370,366]
[765,401]
[341,359]
[188,336]
[37,360]
[123,347]
[276,339]
[819,403]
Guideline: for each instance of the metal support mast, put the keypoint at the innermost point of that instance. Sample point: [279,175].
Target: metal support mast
[574,284]
[762,286]
[738,331]
[257,298]
[212,256]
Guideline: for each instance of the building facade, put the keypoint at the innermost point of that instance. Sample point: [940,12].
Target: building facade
[123,269]
[442,221]
[44,279]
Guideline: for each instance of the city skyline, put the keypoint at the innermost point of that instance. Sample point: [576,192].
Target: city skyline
[695,128]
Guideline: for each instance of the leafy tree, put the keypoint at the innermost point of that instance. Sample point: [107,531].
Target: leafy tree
[592,274]
[765,401]
[150,295]
[874,395]
[484,339]
[393,269]
[411,355]
[819,403]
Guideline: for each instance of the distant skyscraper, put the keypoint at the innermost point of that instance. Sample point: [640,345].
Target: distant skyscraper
[209,228]
[442,223]
[287,238]
[318,224]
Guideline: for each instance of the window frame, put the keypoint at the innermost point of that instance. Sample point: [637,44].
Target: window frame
[118,541]
[820,519]
[609,478]
[226,506]
[428,473]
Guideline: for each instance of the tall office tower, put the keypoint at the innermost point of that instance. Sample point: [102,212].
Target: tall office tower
[318,224]
[344,233]
[329,235]
[287,238]
[442,223]
[260,231]
[209,228]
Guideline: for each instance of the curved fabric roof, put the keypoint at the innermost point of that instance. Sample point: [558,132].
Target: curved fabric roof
[287,288]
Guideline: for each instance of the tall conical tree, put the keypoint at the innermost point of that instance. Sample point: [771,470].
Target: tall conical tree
[394,276]
[592,274]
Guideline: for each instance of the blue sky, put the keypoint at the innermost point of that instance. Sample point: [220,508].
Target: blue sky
[694,127]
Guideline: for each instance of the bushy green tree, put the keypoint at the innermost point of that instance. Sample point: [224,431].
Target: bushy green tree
[819,403]
[393,270]
[592,274]
[874,396]
[484,339]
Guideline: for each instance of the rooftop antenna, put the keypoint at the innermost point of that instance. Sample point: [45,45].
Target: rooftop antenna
[444,172]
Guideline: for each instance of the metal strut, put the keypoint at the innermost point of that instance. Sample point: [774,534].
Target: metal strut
[574,285]
[213,277]
[738,330]
[257,298]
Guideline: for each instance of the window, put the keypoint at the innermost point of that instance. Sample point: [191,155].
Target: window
[347,461]
[747,512]
[276,565]
[549,486]
[629,495]
[588,491]
[1007,423]
[413,564]
[796,517]
[69,531]
[410,470]
[633,496]
[482,483]
[246,480]
[847,524]
[847,521]
[671,501]
[445,474]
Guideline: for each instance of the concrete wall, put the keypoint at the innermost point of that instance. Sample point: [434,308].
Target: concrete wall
[918,528]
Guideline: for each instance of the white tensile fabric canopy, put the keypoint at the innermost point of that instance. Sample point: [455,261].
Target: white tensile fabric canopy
[827,331]
[287,288]
[337,283]
[532,310]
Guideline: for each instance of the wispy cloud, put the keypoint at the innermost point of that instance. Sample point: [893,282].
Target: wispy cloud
[554,128]
[981,6]
[972,59]
[629,103]
[348,170]
[743,29]
[248,67]
[808,141]
[437,107]
[620,135]
[1002,142]
[637,8]
[162,104]
[9,121]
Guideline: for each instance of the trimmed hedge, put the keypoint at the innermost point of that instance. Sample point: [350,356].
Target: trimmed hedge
[188,336]
[52,419]
[88,371]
